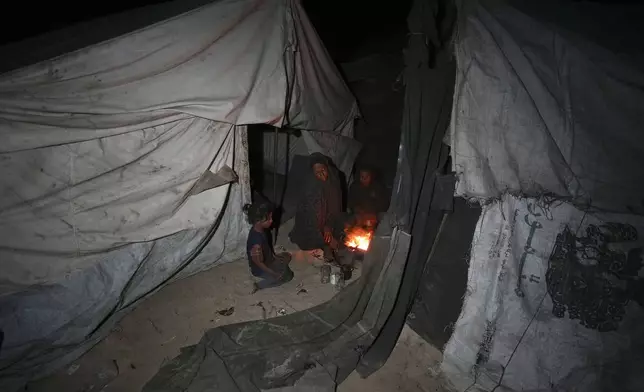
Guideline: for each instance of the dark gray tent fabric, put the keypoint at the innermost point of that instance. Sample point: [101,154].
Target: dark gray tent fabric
[443,284]
[276,353]
[429,85]
[421,189]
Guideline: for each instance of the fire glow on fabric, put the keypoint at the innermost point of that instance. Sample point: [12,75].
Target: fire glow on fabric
[358,238]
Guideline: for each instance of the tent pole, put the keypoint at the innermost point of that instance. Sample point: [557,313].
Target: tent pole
[275,180]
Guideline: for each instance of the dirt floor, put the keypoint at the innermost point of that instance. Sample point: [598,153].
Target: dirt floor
[181,312]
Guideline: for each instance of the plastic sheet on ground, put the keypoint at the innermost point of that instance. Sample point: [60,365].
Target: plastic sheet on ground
[314,349]
[554,301]
[547,103]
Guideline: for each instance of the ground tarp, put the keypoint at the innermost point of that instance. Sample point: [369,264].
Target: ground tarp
[103,148]
[546,103]
[314,349]
[554,301]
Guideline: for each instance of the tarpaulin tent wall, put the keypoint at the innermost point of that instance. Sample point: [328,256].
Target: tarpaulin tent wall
[554,301]
[548,105]
[103,148]
[422,199]
[280,149]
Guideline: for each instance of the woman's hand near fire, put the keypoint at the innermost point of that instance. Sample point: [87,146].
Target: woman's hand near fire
[328,235]
[329,239]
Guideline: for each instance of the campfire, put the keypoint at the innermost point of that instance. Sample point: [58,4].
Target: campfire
[358,238]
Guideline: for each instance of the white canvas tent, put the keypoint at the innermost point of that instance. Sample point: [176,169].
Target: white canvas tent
[103,149]
[545,133]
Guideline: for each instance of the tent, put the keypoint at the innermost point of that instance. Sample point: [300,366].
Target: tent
[124,158]
[545,136]
[544,114]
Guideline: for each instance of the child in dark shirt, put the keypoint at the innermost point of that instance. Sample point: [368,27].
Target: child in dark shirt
[367,197]
[272,269]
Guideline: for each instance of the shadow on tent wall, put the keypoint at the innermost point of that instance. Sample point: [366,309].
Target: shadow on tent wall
[270,168]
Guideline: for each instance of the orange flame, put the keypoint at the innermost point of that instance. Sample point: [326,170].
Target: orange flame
[358,238]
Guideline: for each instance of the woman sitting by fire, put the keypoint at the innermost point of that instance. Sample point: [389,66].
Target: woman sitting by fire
[319,211]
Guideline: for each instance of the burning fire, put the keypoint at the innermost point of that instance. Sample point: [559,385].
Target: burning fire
[358,238]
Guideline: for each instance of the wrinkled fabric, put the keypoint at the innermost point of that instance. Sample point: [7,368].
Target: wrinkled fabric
[429,81]
[104,149]
[546,104]
[551,301]
[279,352]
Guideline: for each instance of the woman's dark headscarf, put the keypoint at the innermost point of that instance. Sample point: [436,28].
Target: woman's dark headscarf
[316,158]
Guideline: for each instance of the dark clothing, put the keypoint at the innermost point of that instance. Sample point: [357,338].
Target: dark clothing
[371,199]
[279,265]
[317,157]
[258,238]
[320,206]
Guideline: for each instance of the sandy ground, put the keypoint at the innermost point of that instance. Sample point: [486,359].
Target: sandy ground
[181,312]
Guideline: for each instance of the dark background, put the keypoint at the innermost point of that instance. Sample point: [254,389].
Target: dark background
[345,26]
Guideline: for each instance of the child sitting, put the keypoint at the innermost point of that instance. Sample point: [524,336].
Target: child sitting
[367,198]
[272,269]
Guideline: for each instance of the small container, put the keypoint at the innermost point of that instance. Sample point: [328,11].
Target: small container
[337,280]
[347,272]
[334,278]
[325,273]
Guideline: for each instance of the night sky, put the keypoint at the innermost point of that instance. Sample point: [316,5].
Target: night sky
[344,25]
